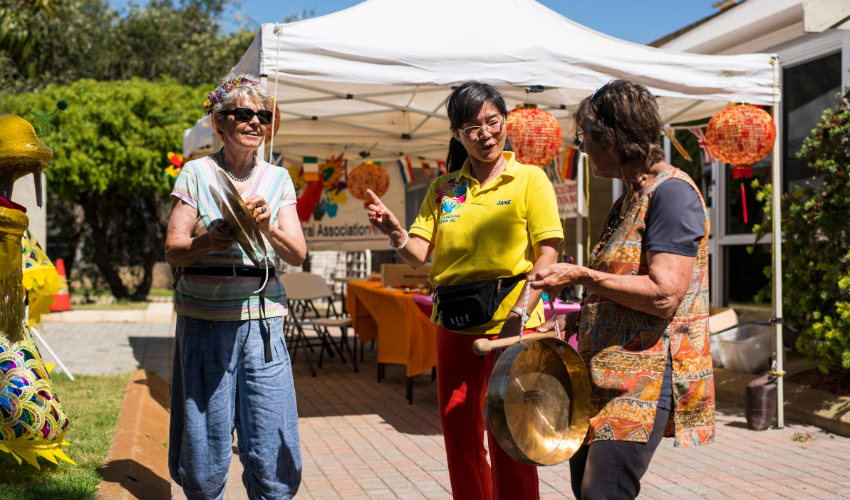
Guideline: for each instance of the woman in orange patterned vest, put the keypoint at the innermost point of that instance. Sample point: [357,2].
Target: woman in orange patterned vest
[642,329]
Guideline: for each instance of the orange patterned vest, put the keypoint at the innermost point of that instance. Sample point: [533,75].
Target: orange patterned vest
[625,350]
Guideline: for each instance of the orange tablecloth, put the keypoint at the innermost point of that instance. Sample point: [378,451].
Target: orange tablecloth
[405,335]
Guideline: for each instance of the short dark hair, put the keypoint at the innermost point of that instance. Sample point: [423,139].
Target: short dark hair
[631,110]
[462,106]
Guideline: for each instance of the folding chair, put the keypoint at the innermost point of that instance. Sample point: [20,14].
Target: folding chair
[301,290]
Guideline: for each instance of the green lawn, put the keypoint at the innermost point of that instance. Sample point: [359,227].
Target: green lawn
[92,403]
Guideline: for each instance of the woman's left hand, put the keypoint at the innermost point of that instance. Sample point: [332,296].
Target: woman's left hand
[261,211]
[556,277]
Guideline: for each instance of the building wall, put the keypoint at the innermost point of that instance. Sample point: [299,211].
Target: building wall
[24,194]
[768,27]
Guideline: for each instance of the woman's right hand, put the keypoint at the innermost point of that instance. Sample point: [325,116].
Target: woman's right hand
[382,218]
[220,238]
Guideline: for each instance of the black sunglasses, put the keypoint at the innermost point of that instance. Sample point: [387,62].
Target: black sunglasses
[247,114]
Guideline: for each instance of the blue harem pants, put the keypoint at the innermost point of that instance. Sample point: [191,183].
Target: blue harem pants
[221,383]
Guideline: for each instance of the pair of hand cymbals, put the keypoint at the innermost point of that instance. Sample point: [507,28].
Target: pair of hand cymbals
[240,222]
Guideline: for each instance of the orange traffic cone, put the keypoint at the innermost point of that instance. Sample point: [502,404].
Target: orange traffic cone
[63,300]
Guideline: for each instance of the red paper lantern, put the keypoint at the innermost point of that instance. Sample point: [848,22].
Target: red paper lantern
[534,134]
[741,135]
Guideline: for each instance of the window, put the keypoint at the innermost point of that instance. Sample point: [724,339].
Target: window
[808,90]
[744,273]
[735,207]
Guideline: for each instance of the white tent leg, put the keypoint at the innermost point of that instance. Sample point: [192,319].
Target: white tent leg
[34,331]
[776,180]
[580,213]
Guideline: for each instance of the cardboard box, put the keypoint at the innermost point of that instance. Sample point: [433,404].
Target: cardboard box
[402,274]
[721,318]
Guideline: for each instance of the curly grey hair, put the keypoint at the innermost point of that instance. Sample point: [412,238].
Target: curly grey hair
[253,90]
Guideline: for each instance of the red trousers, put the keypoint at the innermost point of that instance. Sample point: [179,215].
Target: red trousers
[462,378]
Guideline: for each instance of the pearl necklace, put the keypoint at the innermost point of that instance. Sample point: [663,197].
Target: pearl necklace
[221,156]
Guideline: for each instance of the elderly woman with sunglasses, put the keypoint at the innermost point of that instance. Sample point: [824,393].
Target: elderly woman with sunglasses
[642,328]
[231,366]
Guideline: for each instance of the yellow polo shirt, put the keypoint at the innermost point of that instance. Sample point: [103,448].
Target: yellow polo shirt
[490,232]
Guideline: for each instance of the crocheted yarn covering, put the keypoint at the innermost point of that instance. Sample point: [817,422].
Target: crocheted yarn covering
[40,278]
[13,223]
[32,421]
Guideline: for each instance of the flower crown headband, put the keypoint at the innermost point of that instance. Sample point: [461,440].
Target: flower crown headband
[216,96]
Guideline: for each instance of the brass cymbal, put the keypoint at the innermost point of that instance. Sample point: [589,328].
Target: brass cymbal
[240,222]
[538,401]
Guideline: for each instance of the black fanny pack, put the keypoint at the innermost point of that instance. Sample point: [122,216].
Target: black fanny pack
[242,272]
[472,304]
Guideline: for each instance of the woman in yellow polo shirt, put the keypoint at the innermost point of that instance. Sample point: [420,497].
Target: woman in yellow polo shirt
[489,222]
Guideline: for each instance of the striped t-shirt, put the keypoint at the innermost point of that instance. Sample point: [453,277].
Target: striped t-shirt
[219,297]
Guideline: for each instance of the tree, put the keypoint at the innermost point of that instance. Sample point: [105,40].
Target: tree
[55,41]
[67,40]
[816,262]
[110,149]
[181,40]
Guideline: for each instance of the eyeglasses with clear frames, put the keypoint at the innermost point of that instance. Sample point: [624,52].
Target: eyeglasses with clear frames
[493,127]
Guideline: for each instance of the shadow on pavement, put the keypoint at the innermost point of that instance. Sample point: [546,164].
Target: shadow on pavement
[153,354]
[339,391]
[136,479]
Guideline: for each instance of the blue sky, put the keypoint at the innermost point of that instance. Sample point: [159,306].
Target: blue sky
[639,21]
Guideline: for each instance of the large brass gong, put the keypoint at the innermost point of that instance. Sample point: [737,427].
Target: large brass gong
[538,401]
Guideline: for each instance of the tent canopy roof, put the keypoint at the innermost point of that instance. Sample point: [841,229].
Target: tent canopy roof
[375,77]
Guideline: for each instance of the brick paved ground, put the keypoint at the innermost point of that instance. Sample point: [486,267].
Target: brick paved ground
[99,348]
[361,440]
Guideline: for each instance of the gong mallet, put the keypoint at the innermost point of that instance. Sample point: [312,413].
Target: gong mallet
[482,347]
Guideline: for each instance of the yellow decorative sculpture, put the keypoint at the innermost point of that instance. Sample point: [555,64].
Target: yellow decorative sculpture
[32,421]
[41,281]
[21,152]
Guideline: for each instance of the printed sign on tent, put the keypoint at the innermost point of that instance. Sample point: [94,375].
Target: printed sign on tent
[567,195]
[332,209]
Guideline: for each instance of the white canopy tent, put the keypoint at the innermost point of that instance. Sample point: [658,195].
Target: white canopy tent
[373,79]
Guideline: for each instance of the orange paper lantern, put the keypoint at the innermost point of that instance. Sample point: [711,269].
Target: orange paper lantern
[276,122]
[741,135]
[534,134]
[369,175]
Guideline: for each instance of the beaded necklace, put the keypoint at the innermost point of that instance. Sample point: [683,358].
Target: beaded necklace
[221,156]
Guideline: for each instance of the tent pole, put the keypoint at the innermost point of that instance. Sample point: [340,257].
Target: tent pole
[776,180]
[274,100]
[580,216]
